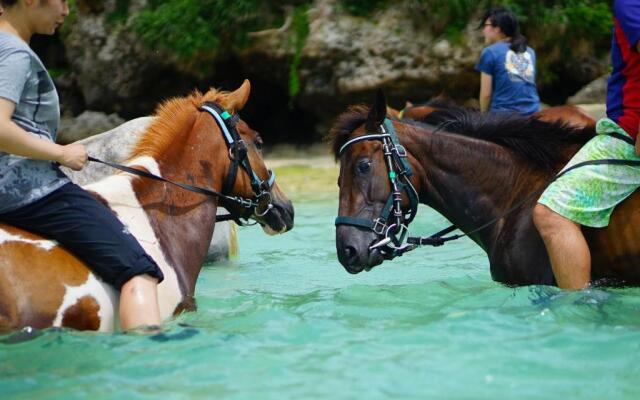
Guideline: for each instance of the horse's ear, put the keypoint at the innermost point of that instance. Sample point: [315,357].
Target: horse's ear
[378,112]
[238,98]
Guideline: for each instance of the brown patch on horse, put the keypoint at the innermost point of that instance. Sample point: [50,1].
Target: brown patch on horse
[568,114]
[83,315]
[34,302]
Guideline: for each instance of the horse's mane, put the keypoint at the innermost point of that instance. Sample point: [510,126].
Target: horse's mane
[538,142]
[173,118]
[346,123]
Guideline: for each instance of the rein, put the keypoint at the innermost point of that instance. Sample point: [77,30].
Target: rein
[260,203]
[392,245]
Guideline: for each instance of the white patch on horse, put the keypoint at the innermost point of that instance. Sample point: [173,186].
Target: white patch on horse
[105,295]
[117,190]
[146,162]
[43,244]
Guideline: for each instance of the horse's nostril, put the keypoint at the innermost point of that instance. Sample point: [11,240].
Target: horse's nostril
[349,252]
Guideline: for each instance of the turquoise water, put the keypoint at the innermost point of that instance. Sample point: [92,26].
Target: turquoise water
[285,321]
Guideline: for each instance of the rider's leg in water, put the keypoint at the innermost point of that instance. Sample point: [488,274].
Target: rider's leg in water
[567,248]
[139,303]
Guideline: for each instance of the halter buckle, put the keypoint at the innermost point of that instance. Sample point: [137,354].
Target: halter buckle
[379,227]
[400,150]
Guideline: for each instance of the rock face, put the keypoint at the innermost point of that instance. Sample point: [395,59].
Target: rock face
[593,93]
[114,146]
[87,124]
[344,59]
[113,70]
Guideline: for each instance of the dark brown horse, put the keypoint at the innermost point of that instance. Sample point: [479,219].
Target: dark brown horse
[42,285]
[473,171]
[569,114]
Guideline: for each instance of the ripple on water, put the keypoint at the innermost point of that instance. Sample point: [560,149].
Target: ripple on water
[284,320]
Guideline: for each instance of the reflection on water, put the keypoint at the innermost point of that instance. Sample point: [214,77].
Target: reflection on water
[284,320]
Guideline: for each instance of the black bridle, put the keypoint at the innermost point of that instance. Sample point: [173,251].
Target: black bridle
[259,204]
[391,226]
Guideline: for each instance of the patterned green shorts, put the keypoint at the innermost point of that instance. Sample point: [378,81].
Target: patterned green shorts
[588,195]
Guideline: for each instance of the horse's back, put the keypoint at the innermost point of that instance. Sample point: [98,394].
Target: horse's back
[615,250]
[43,285]
[568,114]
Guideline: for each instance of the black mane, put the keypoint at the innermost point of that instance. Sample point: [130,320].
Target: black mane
[538,142]
[346,123]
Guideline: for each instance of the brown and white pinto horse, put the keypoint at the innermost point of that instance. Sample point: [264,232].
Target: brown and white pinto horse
[569,114]
[474,169]
[43,285]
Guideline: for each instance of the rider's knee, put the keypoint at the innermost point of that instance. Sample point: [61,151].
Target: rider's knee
[543,217]
[139,284]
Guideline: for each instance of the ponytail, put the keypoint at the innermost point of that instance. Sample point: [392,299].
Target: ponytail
[518,43]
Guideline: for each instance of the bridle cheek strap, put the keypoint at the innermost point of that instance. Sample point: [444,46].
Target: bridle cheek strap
[392,224]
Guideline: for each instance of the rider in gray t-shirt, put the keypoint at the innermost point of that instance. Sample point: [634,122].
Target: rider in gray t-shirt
[25,81]
[34,195]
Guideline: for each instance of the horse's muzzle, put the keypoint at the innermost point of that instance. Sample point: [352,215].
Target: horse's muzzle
[279,219]
[353,248]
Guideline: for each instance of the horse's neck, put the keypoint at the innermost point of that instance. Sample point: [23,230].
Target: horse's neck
[467,180]
[183,220]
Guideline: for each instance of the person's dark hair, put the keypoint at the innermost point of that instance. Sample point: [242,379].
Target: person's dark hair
[8,3]
[508,24]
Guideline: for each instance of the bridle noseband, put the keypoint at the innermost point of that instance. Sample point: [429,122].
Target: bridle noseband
[392,224]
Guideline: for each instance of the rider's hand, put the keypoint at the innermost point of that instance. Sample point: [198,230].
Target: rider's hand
[74,156]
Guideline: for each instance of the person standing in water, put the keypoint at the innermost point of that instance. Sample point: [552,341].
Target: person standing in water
[507,66]
[35,195]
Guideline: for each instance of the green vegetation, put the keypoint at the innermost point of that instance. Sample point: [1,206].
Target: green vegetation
[300,25]
[363,8]
[214,26]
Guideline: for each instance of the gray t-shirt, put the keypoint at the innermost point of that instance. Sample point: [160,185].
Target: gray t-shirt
[25,81]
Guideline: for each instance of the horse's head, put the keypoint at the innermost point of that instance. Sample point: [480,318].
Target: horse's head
[377,198]
[247,176]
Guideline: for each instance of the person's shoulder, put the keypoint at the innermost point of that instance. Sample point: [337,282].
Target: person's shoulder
[626,9]
[493,49]
[9,44]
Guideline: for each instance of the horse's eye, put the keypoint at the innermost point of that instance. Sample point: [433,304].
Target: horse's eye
[364,166]
[258,143]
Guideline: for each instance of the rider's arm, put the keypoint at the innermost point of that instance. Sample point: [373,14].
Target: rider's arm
[15,140]
[486,82]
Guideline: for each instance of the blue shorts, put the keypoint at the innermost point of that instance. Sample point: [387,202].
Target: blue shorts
[81,224]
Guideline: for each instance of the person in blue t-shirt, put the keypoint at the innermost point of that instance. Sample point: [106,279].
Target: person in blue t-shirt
[507,66]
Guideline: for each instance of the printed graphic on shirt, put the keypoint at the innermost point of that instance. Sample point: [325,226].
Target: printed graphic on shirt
[519,66]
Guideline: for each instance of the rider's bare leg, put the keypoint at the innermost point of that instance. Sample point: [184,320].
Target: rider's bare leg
[567,248]
[139,303]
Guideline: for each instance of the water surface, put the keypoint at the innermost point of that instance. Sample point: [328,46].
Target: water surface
[285,321]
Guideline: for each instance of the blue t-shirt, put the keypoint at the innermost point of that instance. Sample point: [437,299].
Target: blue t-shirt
[25,82]
[514,78]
